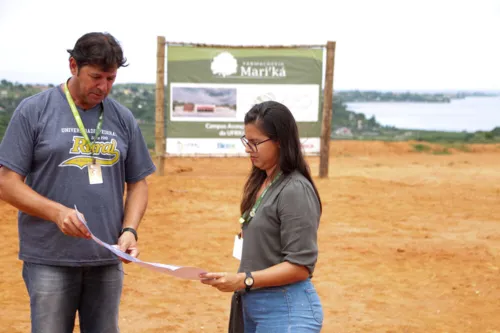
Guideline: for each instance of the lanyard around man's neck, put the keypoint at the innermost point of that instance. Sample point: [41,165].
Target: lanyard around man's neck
[79,122]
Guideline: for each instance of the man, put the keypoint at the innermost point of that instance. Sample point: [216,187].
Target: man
[73,145]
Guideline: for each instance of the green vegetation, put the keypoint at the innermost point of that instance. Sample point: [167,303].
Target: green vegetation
[436,150]
[443,151]
[394,134]
[421,148]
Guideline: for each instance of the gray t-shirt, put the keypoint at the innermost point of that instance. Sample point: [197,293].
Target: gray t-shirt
[284,227]
[43,143]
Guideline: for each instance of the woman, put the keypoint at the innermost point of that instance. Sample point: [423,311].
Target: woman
[280,210]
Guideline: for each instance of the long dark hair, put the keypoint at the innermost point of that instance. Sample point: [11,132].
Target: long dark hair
[277,122]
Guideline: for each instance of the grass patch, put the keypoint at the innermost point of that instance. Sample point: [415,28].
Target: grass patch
[443,151]
[440,150]
[421,148]
[459,146]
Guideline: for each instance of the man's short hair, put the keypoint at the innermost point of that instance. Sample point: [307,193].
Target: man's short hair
[98,49]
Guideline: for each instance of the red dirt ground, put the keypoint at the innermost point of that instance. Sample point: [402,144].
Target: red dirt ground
[409,242]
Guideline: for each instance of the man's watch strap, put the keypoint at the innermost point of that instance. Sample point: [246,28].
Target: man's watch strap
[132,230]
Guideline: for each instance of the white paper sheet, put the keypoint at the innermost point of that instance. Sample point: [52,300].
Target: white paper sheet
[183,272]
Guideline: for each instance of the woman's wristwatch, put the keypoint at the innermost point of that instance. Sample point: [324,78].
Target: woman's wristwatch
[248,281]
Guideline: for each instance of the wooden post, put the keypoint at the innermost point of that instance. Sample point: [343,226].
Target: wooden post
[160,106]
[327,111]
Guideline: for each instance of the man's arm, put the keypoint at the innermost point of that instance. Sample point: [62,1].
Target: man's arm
[136,203]
[14,191]
[135,207]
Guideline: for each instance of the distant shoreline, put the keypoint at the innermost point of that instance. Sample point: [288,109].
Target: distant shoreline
[356,96]
[422,102]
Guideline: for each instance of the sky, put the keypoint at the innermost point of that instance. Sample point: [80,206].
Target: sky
[423,45]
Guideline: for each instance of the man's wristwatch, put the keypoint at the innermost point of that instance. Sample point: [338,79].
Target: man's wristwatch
[248,281]
[132,230]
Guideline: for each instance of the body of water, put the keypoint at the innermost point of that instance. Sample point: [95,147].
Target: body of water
[470,114]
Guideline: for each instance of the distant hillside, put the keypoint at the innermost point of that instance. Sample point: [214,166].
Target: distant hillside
[11,94]
[140,99]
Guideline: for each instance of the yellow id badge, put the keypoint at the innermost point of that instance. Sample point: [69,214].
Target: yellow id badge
[95,174]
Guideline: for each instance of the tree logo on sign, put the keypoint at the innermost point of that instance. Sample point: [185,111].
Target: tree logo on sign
[224,64]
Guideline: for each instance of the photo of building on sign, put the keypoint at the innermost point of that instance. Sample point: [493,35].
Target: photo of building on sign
[201,102]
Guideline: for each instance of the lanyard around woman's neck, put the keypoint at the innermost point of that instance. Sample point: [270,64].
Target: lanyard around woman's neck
[248,217]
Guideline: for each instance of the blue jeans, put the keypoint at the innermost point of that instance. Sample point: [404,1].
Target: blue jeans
[56,293]
[294,308]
